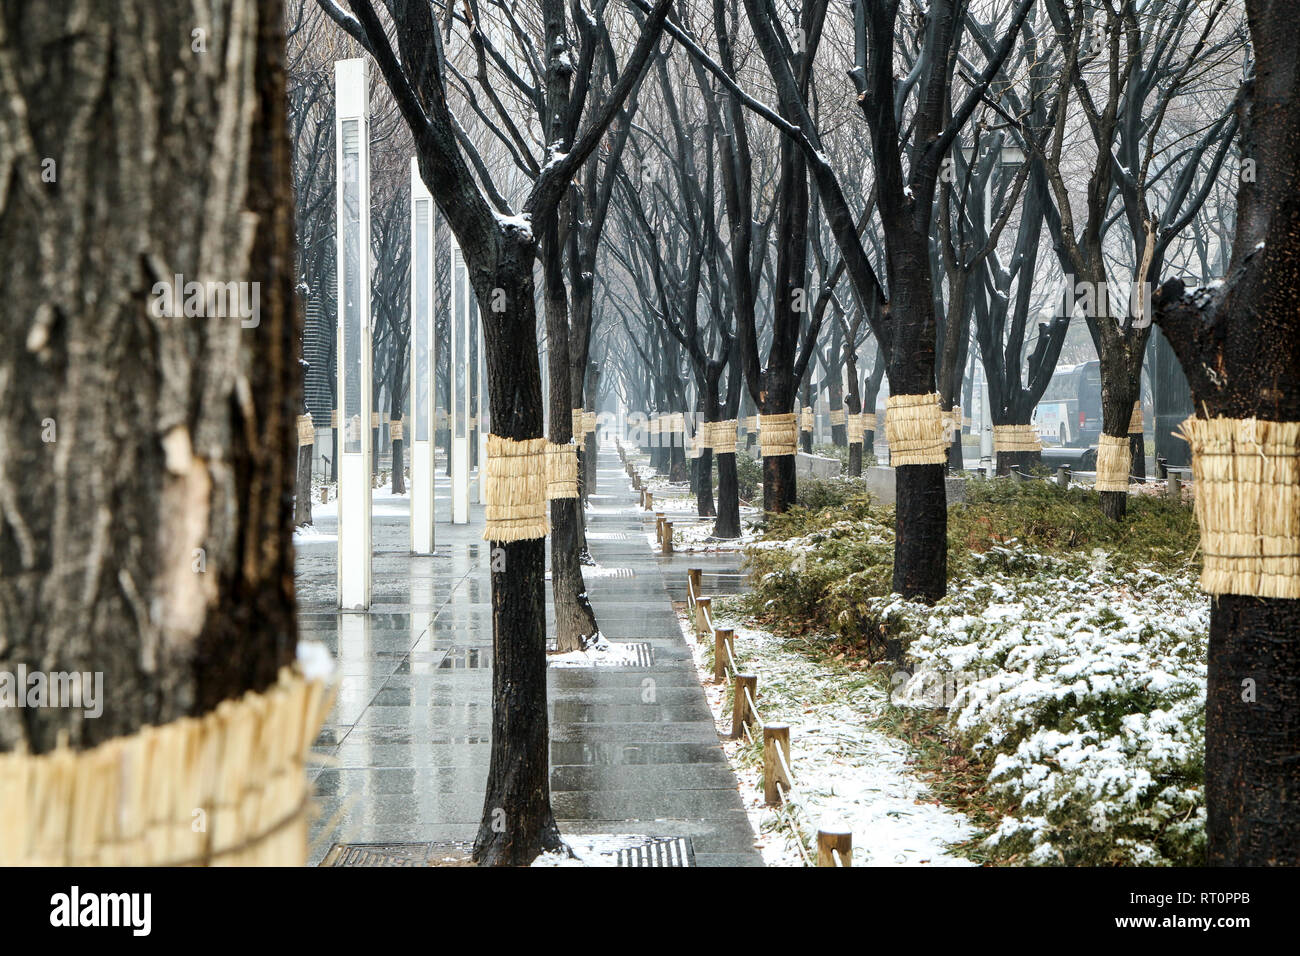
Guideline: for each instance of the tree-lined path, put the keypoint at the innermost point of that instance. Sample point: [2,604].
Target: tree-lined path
[633,748]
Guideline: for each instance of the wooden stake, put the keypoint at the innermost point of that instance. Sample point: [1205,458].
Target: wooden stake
[694,577]
[702,605]
[834,837]
[740,714]
[667,539]
[774,736]
[723,641]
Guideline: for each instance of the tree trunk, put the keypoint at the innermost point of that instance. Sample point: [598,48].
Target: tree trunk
[302,490]
[921,532]
[1118,393]
[778,483]
[395,414]
[704,492]
[575,621]
[1240,347]
[517,822]
[157,547]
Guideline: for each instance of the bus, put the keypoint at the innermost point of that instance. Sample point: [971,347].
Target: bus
[1069,413]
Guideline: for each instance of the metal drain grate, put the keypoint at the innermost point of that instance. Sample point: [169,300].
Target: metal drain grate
[377,854]
[645,654]
[668,851]
[607,536]
[599,849]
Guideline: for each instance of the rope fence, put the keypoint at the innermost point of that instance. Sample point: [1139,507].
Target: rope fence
[834,843]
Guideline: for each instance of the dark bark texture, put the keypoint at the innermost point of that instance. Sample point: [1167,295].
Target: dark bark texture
[158,550]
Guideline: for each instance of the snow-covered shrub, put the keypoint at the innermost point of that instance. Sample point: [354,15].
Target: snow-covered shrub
[1086,688]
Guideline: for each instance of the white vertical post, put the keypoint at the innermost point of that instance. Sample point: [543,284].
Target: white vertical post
[462,305]
[352,235]
[423,362]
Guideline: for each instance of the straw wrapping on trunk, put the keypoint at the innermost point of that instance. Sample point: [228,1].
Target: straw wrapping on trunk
[576,428]
[1247,474]
[131,801]
[588,422]
[914,430]
[777,435]
[1135,420]
[869,421]
[514,489]
[856,428]
[306,434]
[1009,438]
[722,437]
[806,420]
[838,417]
[751,423]
[561,471]
[1113,463]
[395,430]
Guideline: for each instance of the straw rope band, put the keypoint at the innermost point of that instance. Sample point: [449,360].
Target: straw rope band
[334,418]
[561,471]
[588,421]
[838,417]
[514,489]
[777,435]
[869,421]
[751,423]
[1247,474]
[914,430]
[855,429]
[958,423]
[306,435]
[806,420]
[131,801]
[576,428]
[1114,459]
[722,437]
[374,419]
[1013,438]
[1135,420]
[395,430]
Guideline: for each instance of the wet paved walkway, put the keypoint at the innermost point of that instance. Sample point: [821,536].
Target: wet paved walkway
[410,735]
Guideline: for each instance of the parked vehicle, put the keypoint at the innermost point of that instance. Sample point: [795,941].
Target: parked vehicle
[1069,412]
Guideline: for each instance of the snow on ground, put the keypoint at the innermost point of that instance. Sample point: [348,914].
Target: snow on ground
[601,654]
[843,770]
[596,571]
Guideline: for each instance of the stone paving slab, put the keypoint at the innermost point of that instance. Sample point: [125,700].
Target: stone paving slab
[408,742]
